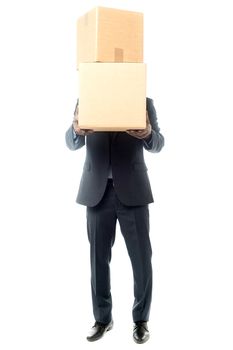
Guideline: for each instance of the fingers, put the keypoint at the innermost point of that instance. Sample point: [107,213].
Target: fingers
[83,132]
[135,132]
[77,129]
[140,134]
[88,131]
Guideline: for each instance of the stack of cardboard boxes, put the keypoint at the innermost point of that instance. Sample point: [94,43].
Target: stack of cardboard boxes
[112,75]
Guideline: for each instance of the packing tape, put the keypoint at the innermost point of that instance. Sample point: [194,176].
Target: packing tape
[118,55]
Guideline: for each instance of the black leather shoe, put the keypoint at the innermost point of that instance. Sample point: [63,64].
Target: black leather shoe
[98,330]
[140,332]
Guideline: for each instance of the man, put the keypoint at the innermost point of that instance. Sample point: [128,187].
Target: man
[115,186]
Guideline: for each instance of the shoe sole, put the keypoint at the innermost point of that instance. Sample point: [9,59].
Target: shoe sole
[109,328]
[142,341]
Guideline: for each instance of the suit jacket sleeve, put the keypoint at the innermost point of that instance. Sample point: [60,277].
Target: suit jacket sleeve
[156,141]
[73,140]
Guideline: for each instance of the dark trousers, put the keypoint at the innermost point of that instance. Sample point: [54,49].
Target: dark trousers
[101,227]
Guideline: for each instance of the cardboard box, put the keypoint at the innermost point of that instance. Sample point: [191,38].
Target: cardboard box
[110,35]
[112,96]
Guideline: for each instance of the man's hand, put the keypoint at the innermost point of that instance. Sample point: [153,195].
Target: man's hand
[77,129]
[144,133]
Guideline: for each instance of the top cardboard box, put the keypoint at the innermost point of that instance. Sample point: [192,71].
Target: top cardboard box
[110,35]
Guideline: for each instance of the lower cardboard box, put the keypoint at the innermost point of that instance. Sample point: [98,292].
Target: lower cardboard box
[112,96]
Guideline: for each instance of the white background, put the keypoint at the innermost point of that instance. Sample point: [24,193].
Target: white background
[45,291]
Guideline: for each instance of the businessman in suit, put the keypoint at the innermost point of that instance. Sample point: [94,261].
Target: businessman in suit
[115,186]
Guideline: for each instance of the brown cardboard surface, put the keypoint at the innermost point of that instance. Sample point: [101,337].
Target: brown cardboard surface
[110,35]
[112,96]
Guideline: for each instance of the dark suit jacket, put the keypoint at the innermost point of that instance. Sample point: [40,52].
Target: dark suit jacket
[125,152]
